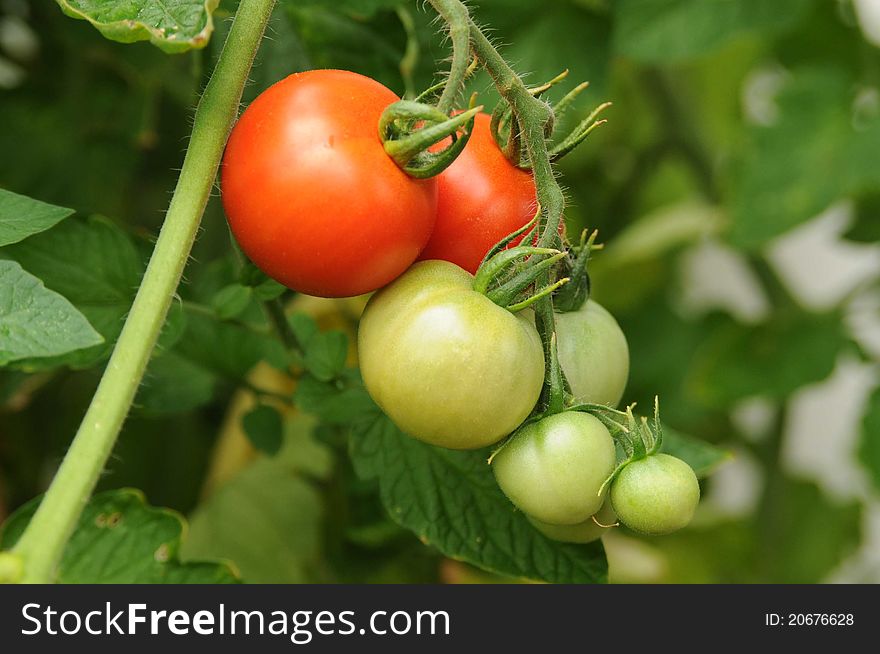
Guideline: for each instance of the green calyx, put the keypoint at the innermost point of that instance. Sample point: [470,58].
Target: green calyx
[573,295]
[639,437]
[509,277]
[507,131]
[409,129]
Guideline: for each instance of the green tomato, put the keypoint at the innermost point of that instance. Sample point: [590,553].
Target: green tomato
[655,495]
[553,469]
[593,354]
[583,532]
[444,362]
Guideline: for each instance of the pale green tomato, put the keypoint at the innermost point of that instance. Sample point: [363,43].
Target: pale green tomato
[553,469]
[593,354]
[583,532]
[444,362]
[655,495]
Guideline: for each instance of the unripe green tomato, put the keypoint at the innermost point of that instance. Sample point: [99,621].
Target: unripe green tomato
[593,353]
[553,469]
[583,532]
[655,495]
[445,363]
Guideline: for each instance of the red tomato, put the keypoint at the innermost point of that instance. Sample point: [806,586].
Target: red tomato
[482,199]
[310,194]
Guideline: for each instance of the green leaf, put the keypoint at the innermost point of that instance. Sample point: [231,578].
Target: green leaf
[265,428]
[93,264]
[581,44]
[869,445]
[816,152]
[807,533]
[866,221]
[703,457]
[21,216]
[171,25]
[325,354]
[231,300]
[799,537]
[224,348]
[333,403]
[665,31]
[266,519]
[333,39]
[173,384]
[36,322]
[451,501]
[268,289]
[304,328]
[120,539]
[364,8]
[772,359]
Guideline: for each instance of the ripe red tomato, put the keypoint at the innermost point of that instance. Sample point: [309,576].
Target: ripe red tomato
[310,194]
[482,198]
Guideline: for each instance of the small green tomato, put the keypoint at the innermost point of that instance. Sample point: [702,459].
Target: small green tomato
[583,532]
[553,469]
[655,495]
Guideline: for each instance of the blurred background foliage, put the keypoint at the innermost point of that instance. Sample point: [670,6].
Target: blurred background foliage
[736,185]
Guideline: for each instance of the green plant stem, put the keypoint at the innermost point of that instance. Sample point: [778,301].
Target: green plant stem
[278,319]
[411,54]
[533,117]
[42,543]
[456,16]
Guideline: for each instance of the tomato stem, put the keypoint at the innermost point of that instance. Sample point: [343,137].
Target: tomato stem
[455,15]
[533,117]
[274,309]
[43,542]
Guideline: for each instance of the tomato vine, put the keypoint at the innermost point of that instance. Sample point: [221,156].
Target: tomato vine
[42,544]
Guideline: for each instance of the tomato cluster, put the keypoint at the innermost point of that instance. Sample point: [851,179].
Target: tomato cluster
[314,200]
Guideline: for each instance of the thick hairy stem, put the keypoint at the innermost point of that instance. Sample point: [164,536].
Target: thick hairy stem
[42,544]
[533,116]
[458,20]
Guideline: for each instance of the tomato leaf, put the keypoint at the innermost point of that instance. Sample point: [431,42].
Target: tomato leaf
[267,520]
[869,446]
[782,179]
[171,25]
[866,221]
[364,8]
[304,328]
[703,457]
[264,428]
[451,501]
[224,348]
[772,359]
[36,322]
[231,300]
[121,539]
[676,30]
[21,216]
[268,289]
[93,264]
[334,403]
[173,384]
[325,356]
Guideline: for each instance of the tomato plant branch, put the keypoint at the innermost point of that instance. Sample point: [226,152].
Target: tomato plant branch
[42,543]
[457,19]
[278,319]
[410,57]
[534,117]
